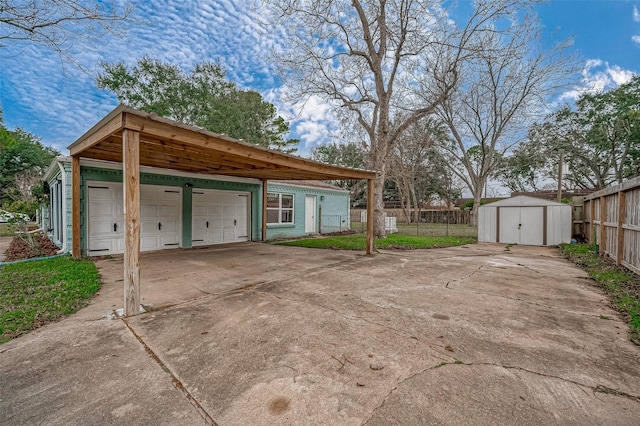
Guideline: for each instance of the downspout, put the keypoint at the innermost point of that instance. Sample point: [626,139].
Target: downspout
[63,182]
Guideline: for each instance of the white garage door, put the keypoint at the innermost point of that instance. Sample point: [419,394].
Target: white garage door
[160,212]
[219,217]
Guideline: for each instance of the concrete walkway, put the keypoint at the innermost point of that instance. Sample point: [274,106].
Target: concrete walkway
[5,242]
[259,334]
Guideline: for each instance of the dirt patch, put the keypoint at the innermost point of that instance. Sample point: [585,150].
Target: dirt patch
[21,249]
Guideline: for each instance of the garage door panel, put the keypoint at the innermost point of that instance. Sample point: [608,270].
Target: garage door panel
[170,226]
[148,210]
[169,195]
[148,242]
[226,214]
[103,228]
[104,209]
[199,210]
[101,245]
[148,226]
[169,211]
[157,205]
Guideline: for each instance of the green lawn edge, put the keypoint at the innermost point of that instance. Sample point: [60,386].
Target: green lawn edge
[392,241]
[33,294]
[620,284]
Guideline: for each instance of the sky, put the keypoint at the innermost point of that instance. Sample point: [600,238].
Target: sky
[57,101]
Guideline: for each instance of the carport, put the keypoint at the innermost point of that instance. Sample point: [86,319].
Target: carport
[136,138]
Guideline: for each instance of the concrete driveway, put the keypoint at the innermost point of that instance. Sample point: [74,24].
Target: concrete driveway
[256,334]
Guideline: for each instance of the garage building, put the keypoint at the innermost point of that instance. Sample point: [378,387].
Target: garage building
[185,210]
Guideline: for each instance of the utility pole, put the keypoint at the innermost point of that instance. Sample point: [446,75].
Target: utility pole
[560,177]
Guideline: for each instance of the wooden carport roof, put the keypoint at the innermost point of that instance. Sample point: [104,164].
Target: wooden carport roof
[172,145]
[136,138]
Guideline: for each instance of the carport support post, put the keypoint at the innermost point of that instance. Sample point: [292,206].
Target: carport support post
[75,207]
[370,187]
[264,210]
[131,194]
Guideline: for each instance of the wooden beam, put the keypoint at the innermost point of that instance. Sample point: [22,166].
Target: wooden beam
[173,132]
[370,195]
[622,213]
[603,218]
[131,195]
[75,207]
[264,210]
[101,131]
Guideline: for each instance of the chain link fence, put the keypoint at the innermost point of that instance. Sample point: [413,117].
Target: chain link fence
[332,223]
[430,223]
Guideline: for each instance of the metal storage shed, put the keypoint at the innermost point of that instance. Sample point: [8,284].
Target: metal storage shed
[525,220]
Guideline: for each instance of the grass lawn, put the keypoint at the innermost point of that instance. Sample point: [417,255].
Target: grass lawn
[35,293]
[393,241]
[622,285]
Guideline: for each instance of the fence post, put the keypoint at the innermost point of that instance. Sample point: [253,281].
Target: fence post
[622,211]
[603,231]
[592,220]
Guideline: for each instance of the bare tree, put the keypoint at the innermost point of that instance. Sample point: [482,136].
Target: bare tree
[377,58]
[56,24]
[416,168]
[502,88]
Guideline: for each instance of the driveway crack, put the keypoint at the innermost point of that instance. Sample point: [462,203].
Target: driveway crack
[475,271]
[594,389]
[174,379]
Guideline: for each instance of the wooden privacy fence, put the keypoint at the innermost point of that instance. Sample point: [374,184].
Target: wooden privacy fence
[612,221]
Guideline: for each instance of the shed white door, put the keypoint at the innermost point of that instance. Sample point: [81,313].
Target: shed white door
[160,214]
[310,214]
[521,225]
[219,217]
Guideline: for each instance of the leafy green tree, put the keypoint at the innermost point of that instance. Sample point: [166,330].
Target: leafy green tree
[23,160]
[203,98]
[598,140]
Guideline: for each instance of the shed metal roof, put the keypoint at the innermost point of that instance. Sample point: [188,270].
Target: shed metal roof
[524,201]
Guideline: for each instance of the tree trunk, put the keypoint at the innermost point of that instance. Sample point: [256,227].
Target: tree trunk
[477,199]
[379,230]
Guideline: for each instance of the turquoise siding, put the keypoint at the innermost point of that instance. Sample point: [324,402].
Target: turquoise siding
[334,207]
[66,200]
[334,217]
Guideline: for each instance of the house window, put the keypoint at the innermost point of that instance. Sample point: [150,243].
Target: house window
[279,208]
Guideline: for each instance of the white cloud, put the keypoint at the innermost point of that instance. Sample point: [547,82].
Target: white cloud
[636,14]
[598,76]
[636,39]
[59,103]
